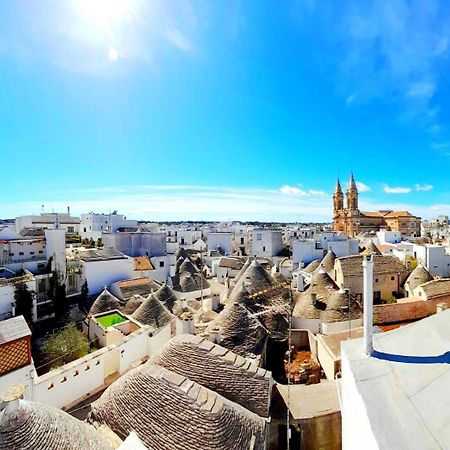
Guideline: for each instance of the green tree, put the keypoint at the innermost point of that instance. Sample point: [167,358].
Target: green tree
[91,243]
[99,242]
[65,346]
[57,293]
[84,291]
[23,298]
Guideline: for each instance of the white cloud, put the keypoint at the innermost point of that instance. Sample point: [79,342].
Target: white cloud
[362,187]
[424,89]
[292,190]
[179,40]
[148,202]
[424,187]
[396,190]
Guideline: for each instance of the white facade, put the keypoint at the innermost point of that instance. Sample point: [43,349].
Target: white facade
[305,251]
[137,244]
[7,302]
[389,237]
[105,272]
[55,249]
[266,243]
[222,241]
[98,223]
[435,258]
[49,221]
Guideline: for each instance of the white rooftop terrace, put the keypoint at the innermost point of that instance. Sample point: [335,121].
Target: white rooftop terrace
[399,398]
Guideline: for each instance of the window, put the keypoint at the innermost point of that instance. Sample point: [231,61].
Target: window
[50,386]
[161,264]
[86,368]
[41,252]
[97,363]
[76,373]
[392,278]
[259,237]
[31,253]
[63,379]
[264,249]
[11,254]
[376,280]
[21,253]
[242,241]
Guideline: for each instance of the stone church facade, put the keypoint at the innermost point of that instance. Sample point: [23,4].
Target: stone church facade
[350,220]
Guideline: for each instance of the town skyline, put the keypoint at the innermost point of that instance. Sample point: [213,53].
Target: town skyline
[288,203]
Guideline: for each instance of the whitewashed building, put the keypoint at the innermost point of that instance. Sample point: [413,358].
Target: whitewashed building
[92,225]
[220,241]
[266,242]
[49,221]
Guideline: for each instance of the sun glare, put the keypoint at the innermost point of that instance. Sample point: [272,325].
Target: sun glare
[106,10]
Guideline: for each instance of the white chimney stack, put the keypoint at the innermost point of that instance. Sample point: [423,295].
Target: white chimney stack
[368,304]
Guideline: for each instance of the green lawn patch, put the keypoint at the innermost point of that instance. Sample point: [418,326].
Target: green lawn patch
[110,319]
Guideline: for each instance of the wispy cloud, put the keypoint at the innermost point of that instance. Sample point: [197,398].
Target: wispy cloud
[423,89]
[179,40]
[379,57]
[396,190]
[293,190]
[424,187]
[181,202]
[362,187]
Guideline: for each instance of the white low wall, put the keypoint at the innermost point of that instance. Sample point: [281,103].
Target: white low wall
[67,384]
[71,383]
[336,327]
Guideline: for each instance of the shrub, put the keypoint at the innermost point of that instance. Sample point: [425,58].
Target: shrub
[65,346]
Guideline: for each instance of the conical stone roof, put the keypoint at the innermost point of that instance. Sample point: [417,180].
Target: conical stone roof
[327,263]
[218,369]
[418,276]
[171,412]
[166,295]
[132,304]
[240,332]
[255,278]
[104,302]
[337,308]
[35,426]
[312,266]
[240,294]
[243,269]
[153,313]
[371,249]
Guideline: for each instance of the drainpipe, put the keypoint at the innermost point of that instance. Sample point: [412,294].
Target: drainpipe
[368,304]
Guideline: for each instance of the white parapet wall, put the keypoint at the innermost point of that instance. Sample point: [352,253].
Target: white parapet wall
[68,385]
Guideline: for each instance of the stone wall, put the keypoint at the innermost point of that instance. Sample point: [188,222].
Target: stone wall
[400,312]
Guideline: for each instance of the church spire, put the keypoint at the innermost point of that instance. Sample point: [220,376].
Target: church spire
[352,194]
[352,184]
[338,198]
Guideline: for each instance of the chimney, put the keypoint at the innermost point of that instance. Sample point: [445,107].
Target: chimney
[368,304]
[11,397]
[68,210]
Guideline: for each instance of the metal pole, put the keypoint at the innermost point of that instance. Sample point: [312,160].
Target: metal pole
[288,429]
[368,304]
[201,276]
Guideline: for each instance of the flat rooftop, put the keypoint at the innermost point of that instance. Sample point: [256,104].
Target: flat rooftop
[12,329]
[404,385]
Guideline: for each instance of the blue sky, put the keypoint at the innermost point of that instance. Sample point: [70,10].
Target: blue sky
[223,110]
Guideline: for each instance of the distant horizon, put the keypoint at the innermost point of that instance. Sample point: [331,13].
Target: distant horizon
[157,203]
